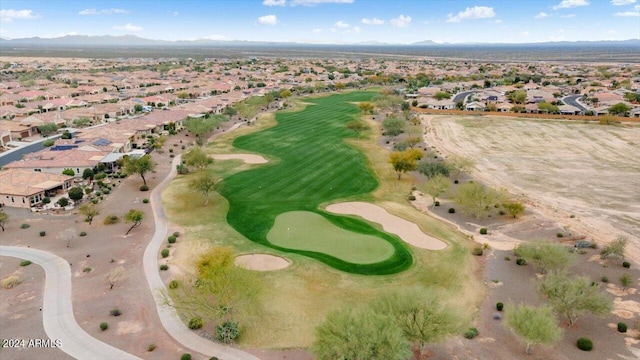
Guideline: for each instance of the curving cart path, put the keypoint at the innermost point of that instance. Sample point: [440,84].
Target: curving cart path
[168,315]
[57,309]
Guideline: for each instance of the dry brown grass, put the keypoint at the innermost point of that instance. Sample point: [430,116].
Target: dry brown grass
[10,281]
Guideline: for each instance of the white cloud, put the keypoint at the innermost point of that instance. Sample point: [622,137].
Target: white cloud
[268,20]
[274,2]
[9,15]
[94,11]
[541,15]
[622,2]
[498,21]
[567,4]
[341,24]
[374,21]
[628,14]
[356,29]
[318,30]
[401,21]
[129,27]
[568,16]
[316,2]
[175,13]
[476,12]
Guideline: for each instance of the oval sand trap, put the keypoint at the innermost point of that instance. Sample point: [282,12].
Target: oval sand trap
[247,158]
[406,230]
[261,262]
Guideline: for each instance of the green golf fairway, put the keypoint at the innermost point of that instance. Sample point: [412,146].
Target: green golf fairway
[316,166]
[305,230]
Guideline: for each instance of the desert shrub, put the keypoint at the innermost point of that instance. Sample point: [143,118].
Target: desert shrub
[164,267]
[186,356]
[111,219]
[411,197]
[46,200]
[227,332]
[63,201]
[145,201]
[483,231]
[507,258]
[115,312]
[471,333]
[626,264]
[25,262]
[151,347]
[25,226]
[584,344]
[10,281]
[452,211]
[43,233]
[437,203]
[195,323]
[455,181]
[106,191]
[164,253]
[622,327]
[176,234]
[604,279]
[104,326]
[83,233]
[477,251]
[171,239]
[173,284]
[560,235]
[87,269]
[499,306]
[144,188]
[521,261]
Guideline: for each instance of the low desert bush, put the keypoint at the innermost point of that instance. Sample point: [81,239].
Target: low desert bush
[507,258]
[499,306]
[115,312]
[626,264]
[483,231]
[471,333]
[164,253]
[164,267]
[104,326]
[10,281]
[186,356]
[83,233]
[604,279]
[452,211]
[622,327]
[25,226]
[87,269]
[584,344]
[173,284]
[437,203]
[43,233]
[560,235]
[521,261]
[477,251]
[151,347]
[111,219]
[176,234]
[195,323]
[25,262]
[144,188]
[411,197]
[145,201]
[171,239]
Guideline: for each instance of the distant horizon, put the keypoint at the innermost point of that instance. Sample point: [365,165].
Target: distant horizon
[332,22]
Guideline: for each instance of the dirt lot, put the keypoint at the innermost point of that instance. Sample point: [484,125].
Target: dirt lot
[560,168]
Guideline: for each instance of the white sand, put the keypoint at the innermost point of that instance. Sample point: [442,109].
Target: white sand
[406,230]
[261,262]
[247,158]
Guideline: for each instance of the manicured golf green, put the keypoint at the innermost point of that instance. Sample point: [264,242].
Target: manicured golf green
[306,230]
[316,166]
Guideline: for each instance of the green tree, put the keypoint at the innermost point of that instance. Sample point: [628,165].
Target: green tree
[230,111]
[514,208]
[422,318]
[459,164]
[137,108]
[139,166]
[87,174]
[68,172]
[404,161]
[573,296]
[360,335]
[619,109]
[357,126]
[89,210]
[285,94]
[393,126]
[533,325]
[47,129]
[203,182]
[83,121]
[625,281]
[431,169]
[440,95]
[199,127]
[405,106]
[4,217]
[197,158]
[436,186]
[548,108]
[616,247]
[518,96]
[546,256]
[366,107]
[134,217]
[476,199]
[76,193]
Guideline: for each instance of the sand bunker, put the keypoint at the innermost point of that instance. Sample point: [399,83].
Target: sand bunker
[261,262]
[247,158]
[406,230]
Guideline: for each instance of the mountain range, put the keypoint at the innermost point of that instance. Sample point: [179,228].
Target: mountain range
[132,40]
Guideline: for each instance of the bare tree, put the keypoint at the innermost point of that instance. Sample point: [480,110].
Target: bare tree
[114,276]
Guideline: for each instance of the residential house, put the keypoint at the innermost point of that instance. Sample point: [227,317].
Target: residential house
[25,188]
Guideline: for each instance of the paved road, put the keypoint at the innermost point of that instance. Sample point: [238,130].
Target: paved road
[461,96]
[168,315]
[57,310]
[573,101]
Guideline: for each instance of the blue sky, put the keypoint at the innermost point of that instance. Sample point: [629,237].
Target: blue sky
[328,21]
